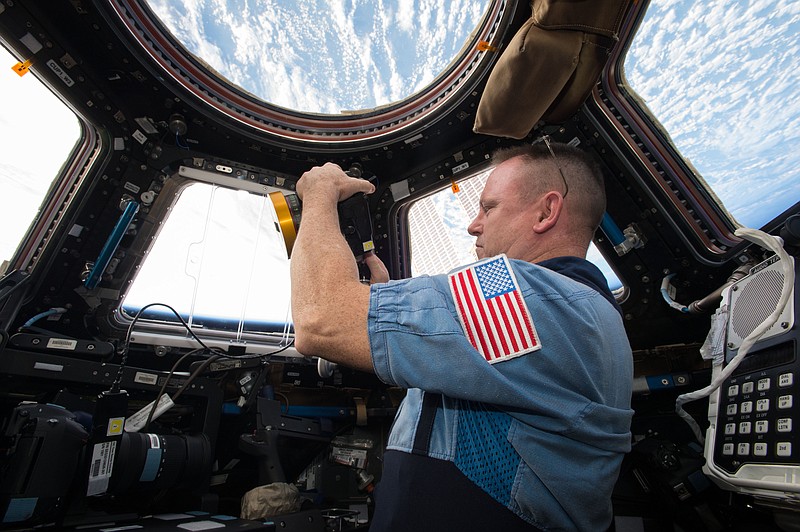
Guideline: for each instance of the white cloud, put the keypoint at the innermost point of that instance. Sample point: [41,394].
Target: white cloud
[722,79]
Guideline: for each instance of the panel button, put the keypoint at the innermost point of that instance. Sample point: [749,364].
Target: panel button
[784,402]
[786,379]
[732,409]
[747,387]
[743,449]
[733,390]
[730,428]
[727,449]
[784,448]
[763,384]
[762,427]
[785,424]
[760,449]
[747,407]
[744,427]
[762,405]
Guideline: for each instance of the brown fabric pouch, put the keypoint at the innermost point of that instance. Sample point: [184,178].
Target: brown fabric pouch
[550,66]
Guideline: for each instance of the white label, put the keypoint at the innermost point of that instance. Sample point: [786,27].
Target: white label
[102,464]
[351,457]
[62,343]
[137,421]
[131,187]
[31,42]
[145,378]
[146,124]
[139,136]
[200,525]
[60,73]
[48,367]
[460,168]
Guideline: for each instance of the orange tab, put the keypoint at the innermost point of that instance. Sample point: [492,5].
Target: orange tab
[484,46]
[22,68]
[454,186]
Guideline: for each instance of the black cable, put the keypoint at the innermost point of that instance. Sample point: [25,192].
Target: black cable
[196,373]
[191,377]
[115,386]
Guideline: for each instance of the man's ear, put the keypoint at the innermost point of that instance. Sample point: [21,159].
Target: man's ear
[548,211]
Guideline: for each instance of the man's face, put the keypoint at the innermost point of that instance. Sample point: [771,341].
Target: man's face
[503,223]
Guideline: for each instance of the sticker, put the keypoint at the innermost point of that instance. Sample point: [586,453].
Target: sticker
[171,517]
[62,343]
[460,168]
[130,187]
[493,313]
[101,465]
[140,137]
[22,67]
[20,509]
[115,425]
[400,190]
[60,73]
[146,124]
[152,462]
[201,525]
[136,422]
[31,42]
[48,367]
[145,378]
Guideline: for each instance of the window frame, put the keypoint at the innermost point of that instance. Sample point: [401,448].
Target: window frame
[669,177]
[197,81]
[157,331]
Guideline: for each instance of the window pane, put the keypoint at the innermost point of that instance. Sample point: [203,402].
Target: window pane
[37,138]
[219,261]
[438,231]
[722,78]
[324,56]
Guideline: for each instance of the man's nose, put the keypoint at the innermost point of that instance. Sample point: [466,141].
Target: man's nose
[474,227]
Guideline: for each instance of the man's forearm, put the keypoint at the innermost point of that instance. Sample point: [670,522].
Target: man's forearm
[329,304]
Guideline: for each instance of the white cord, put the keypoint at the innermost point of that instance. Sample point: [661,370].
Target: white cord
[767,242]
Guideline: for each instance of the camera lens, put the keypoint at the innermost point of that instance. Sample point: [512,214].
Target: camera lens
[288,210]
[155,462]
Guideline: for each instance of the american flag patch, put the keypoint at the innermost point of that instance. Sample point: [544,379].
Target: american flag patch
[492,311]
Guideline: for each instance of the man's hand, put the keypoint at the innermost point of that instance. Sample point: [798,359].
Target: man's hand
[377,269]
[331,181]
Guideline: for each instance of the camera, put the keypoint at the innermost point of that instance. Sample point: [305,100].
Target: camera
[355,221]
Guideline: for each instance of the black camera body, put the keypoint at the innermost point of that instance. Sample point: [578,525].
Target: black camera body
[355,220]
[355,223]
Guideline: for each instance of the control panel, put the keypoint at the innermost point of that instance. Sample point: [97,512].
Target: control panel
[754,416]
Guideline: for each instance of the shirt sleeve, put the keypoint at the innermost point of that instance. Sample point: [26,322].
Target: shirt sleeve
[417,341]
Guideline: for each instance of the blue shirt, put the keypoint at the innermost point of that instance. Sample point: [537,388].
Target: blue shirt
[544,433]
